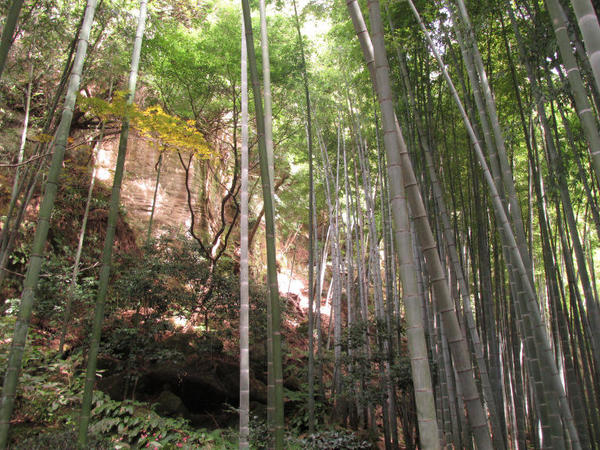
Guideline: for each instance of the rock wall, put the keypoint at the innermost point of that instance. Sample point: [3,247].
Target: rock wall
[138,184]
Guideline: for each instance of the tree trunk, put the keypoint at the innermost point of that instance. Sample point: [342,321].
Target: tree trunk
[90,378]
[153,207]
[590,30]
[403,239]
[244,294]
[8,31]
[35,262]
[270,235]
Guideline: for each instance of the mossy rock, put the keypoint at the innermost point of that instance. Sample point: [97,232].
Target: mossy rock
[170,404]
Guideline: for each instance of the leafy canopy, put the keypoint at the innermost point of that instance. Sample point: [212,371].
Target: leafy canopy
[153,122]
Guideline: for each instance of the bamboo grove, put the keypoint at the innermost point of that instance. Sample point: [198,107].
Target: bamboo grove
[449,161]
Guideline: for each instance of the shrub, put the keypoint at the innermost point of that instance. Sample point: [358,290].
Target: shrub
[129,423]
[333,440]
[64,440]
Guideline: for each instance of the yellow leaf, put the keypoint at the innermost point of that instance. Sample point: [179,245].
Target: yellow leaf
[41,137]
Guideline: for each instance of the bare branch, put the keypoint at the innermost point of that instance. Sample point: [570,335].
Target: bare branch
[23,163]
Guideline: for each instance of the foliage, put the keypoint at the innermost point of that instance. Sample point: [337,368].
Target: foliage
[401,373]
[260,435]
[50,393]
[54,285]
[170,279]
[193,72]
[169,130]
[190,73]
[321,440]
[49,389]
[332,440]
[128,423]
[299,421]
[64,440]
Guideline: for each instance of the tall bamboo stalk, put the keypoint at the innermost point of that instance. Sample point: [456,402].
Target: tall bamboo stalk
[41,233]
[454,258]
[76,265]
[335,284]
[21,153]
[269,234]
[590,30]
[26,188]
[244,294]
[311,232]
[530,309]
[19,185]
[380,314]
[113,213]
[8,31]
[584,108]
[268,118]
[418,350]
[458,346]
[84,220]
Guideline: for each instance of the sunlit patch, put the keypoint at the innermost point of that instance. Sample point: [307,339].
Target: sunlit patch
[103,174]
[291,285]
[103,157]
[145,186]
[178,321]
[296,287]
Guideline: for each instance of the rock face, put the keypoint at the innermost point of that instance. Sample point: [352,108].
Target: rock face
[203,386]
[139,181]
[209,181]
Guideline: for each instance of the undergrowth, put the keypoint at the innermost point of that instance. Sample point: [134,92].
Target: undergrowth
[48,402]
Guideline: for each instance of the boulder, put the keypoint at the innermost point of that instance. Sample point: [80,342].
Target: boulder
[170,404]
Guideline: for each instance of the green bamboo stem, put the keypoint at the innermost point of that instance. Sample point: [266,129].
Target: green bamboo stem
[75,274]
[335,285]
[267,98]
[269,233]
[84,220]
[41,233]
[380,313]
[12,234]
[356,388]
[106,258]
[244,292]
[376,59]
[311,232]
[8,31]
[590,30]
[533,315]
[18,186]
[27,187]
[582,103]
[494,145]
[16,182]
[498,435]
